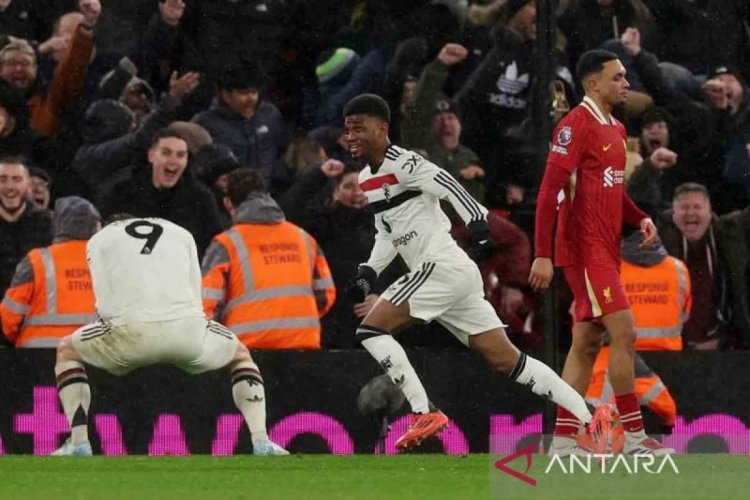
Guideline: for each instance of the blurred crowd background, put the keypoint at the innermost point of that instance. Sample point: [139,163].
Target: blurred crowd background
[89,91]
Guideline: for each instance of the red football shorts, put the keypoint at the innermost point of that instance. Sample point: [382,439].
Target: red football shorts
[596,290]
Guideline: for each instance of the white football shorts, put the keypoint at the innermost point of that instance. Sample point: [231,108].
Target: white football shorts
[194,344]
[451,294]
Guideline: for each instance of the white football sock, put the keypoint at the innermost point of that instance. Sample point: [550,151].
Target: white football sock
[75,395]
[546,383]
[392,358]
[250,398]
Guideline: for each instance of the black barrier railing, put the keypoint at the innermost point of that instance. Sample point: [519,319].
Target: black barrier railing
[312,404]
[544,69]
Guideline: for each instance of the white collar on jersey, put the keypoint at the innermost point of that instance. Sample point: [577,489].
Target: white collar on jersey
[593,108]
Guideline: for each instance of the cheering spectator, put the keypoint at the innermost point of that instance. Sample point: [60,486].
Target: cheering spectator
[715,250]
[23,225]
[433,124]
[18,66]
[163,189]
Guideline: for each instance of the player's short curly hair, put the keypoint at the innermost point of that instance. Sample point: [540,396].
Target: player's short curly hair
[368,104]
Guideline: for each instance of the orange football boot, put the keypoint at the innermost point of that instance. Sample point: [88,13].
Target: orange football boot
[422,426]
[604,433]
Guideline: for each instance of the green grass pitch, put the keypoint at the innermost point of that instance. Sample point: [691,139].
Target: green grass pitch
[353,477]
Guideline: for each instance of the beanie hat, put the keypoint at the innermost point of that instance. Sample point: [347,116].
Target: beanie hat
[40,173]
[74,219]
[212,161]
[336,64]
[443,104]
[140,86]
[726,69]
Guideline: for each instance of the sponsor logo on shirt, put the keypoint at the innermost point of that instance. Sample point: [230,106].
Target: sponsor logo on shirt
[405,239]
[559,150]
[613,177]
[412,163]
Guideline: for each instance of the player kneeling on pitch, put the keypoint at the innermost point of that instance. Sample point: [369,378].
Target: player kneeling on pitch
[444,284]
[147,283]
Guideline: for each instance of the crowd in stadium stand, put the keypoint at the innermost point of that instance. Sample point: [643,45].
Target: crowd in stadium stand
[86,86]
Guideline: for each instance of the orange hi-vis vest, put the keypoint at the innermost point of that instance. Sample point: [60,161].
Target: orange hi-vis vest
[272,288]
[660,298]
[649,388]
[50,297]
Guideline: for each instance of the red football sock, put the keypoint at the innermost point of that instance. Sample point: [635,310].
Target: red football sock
[567,424]
[630,412]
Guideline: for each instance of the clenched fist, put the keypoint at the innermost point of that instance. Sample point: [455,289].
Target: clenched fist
[452,53]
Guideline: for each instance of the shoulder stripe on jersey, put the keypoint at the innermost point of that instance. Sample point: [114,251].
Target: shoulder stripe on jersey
[411,286]
[377,182]
[383,205]
[393,152]
[460,193]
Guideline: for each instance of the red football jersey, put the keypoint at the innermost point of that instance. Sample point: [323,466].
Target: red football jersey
[589,228]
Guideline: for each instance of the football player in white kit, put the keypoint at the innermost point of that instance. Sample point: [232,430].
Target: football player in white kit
[403,190]
[147,283]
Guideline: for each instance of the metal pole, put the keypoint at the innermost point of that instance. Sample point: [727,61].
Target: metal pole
[544,66]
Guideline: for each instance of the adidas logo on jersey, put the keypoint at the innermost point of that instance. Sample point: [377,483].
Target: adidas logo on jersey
[511,82]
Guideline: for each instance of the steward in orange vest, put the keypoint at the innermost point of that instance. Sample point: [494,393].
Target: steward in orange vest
[51,295]
[649,388]
[265,278]
[659,292]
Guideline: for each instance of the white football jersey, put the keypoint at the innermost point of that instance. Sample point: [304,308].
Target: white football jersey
[145,270]
[404,194]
